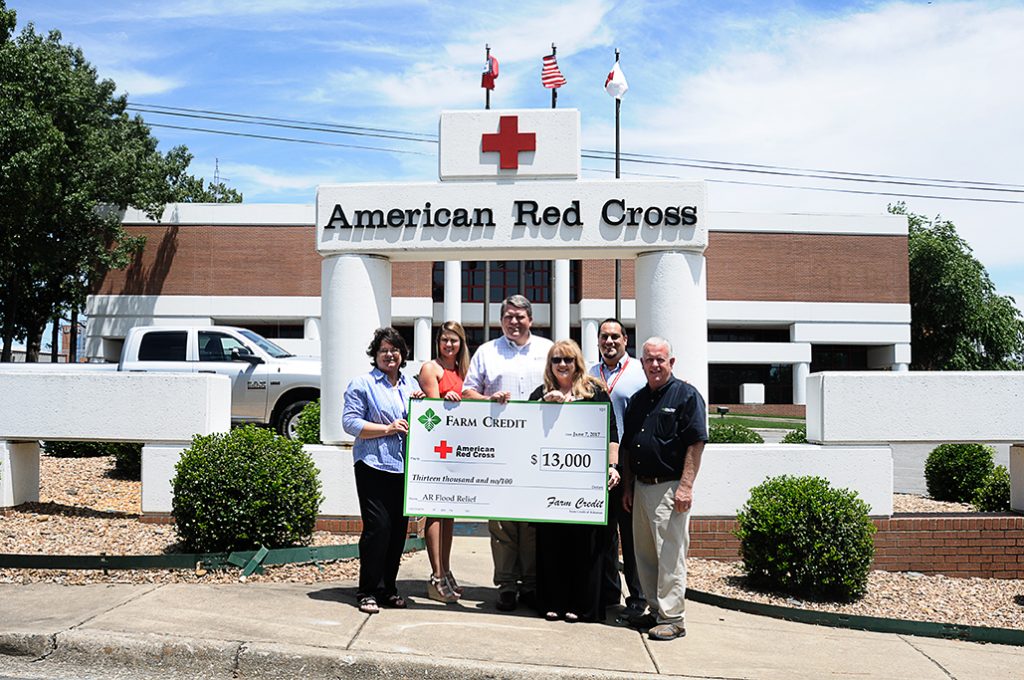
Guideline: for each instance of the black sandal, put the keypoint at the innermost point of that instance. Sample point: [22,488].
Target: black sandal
[395,602]
[368,605]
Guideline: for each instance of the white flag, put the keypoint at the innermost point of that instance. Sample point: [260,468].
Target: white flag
[615,84]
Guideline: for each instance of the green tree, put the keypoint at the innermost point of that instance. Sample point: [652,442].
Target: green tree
[186,188]
[71,161]
[958,320]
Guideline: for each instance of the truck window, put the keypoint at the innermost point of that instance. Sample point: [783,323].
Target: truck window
[216,346]
[163,346]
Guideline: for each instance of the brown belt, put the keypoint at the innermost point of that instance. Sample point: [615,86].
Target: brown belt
[656,480]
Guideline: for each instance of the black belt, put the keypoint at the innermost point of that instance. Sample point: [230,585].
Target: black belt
[656,480]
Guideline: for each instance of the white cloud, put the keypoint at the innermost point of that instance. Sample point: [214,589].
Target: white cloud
[921,90]
[262,181]
[139,83]
[453,80]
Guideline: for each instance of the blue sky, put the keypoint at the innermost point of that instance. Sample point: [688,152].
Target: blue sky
[919,89]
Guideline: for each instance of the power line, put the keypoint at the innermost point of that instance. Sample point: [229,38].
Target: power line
[429,136]
[593,154]
[810,175]
[813,170]
[287,139]
[807,188]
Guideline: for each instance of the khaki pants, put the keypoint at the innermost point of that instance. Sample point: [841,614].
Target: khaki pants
[514,549]
[661,537]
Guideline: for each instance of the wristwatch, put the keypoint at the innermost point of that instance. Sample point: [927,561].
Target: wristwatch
[616,467]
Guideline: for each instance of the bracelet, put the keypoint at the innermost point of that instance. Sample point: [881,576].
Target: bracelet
[616,467]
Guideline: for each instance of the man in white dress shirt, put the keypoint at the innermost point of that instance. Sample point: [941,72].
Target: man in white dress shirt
[509,368]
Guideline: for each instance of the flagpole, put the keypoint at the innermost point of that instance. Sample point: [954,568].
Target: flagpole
[554,90]
[487,263]
[618,262]
[487,60]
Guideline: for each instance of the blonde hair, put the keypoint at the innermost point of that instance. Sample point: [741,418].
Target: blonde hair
[462,359]
[584,385]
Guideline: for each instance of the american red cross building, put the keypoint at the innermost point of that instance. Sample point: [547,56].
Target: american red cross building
[748,299]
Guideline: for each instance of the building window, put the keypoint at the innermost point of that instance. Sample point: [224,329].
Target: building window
[839,358]
[724,382]
[275,331]
[531,278]
[742,334]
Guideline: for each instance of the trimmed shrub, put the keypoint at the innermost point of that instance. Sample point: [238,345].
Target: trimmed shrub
[243,489]
[797,436]
[307,430]
[953,472]
[127,455]
[799,535]
[732,433]
[994,493]
[77,449]
[127,460]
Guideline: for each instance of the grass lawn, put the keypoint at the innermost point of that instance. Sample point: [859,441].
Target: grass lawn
[759,423]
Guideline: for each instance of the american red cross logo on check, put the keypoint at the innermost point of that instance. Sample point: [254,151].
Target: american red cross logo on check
[443,449]
[509,142]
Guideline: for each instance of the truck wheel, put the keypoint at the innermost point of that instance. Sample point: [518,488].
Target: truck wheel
[288,421]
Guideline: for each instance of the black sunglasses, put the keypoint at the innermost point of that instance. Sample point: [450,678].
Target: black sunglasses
[562,360]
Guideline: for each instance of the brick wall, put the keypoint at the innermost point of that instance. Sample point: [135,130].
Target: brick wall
[282,261]
[983,545]
[789,410]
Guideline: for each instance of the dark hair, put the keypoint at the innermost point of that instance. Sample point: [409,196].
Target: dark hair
[612,319]
[387,334]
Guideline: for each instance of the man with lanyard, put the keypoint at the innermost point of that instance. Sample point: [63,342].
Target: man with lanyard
[504,369]
[660,450]
[623,376]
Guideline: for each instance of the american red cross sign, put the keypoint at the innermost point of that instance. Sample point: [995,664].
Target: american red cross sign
[509,142]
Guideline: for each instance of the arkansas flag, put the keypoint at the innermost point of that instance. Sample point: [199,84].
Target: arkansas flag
[615,84]
[490,73]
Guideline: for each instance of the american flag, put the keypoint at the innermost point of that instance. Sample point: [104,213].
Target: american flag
[550,76]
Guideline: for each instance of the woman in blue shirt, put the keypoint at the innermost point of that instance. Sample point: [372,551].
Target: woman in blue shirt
[376,408]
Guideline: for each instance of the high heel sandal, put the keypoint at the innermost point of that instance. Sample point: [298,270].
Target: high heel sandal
[438,589]
[453,585]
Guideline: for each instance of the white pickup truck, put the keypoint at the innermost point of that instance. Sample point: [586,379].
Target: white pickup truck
[269,386]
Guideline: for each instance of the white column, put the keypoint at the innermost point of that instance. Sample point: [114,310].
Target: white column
[1017,477]
[355,301]
[19,473]
[453,291]
[560,300]
[671,302]
[311,328]
[421,338]
[588,336]
[800,373]
[900,367]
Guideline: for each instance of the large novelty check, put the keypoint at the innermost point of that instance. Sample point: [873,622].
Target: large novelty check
[527,461]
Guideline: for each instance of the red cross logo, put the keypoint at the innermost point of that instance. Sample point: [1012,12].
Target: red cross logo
[443,449]
[508,142]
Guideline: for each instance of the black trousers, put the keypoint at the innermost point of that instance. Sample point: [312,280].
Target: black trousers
[620,523]
[384,530]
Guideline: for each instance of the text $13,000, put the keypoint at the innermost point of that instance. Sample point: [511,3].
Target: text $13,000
[569,460]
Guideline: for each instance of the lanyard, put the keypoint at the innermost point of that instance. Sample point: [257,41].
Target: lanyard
[611,386]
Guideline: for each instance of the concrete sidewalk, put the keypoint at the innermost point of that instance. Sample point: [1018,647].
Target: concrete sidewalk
[288,630]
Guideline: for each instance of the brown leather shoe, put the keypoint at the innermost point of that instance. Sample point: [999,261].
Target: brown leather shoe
[667,631]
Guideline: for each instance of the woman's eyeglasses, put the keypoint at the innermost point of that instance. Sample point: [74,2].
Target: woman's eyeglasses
[562,360]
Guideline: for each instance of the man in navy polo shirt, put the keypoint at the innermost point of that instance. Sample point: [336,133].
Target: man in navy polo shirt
[665,428]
